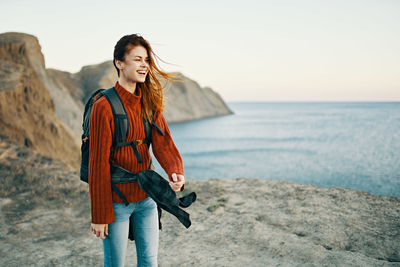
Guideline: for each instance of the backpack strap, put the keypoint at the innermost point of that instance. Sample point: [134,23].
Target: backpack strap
[147,140]
[147,131]
[119,193]
[152,123]
[121,120]
[157,127]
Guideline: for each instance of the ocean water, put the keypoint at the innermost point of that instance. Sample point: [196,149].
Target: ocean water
[349,145]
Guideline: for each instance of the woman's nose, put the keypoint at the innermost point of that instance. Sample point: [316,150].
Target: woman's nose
[144,64]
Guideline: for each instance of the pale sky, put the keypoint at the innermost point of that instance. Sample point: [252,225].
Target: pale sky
[338,50]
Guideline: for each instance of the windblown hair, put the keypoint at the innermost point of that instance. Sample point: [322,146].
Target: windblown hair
[152,91]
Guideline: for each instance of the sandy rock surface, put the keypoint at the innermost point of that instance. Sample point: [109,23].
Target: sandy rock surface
[45,218]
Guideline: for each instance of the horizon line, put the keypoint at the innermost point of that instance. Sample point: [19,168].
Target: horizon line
[313,101]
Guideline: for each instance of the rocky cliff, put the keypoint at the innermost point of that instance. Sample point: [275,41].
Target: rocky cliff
[28,113]
[185,98]
[42,108]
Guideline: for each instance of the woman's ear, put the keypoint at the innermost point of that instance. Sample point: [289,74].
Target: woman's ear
[119,64]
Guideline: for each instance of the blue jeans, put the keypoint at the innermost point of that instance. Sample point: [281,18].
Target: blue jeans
[145,225]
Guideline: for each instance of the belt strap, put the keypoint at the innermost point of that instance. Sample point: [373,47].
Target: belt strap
[119,193]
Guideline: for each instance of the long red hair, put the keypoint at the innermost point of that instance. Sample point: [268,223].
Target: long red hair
[152,90]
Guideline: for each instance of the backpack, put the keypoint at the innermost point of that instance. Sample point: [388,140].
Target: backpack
[121,122]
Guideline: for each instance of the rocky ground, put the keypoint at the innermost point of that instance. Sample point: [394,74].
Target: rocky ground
[45,218]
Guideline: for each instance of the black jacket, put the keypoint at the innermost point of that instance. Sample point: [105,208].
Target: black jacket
[156,187]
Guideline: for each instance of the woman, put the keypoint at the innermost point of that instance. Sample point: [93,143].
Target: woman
[141,92]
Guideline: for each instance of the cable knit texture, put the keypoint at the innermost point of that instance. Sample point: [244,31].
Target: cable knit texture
[101,133]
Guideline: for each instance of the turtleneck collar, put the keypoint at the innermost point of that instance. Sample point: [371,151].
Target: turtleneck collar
[126,96]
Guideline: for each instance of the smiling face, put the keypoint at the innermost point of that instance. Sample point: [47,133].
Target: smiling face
[135,66]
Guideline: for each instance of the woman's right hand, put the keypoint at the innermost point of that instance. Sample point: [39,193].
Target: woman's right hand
[178,180]
[100,230]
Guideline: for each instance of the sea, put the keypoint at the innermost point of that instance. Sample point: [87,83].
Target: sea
[334,144]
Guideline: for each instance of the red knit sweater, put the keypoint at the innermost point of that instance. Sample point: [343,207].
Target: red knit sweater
[101,132]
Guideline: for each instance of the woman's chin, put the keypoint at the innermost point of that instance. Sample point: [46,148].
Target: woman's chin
[141,80]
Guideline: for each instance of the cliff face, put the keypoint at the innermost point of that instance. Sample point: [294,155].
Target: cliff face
[65,92]
[27,110]
[94,77]
[185,99]
[43,108]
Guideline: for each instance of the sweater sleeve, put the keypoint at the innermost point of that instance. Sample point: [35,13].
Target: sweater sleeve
[100,137]
[164,148]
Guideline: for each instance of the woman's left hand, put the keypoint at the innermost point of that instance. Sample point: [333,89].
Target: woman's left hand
[178,180]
